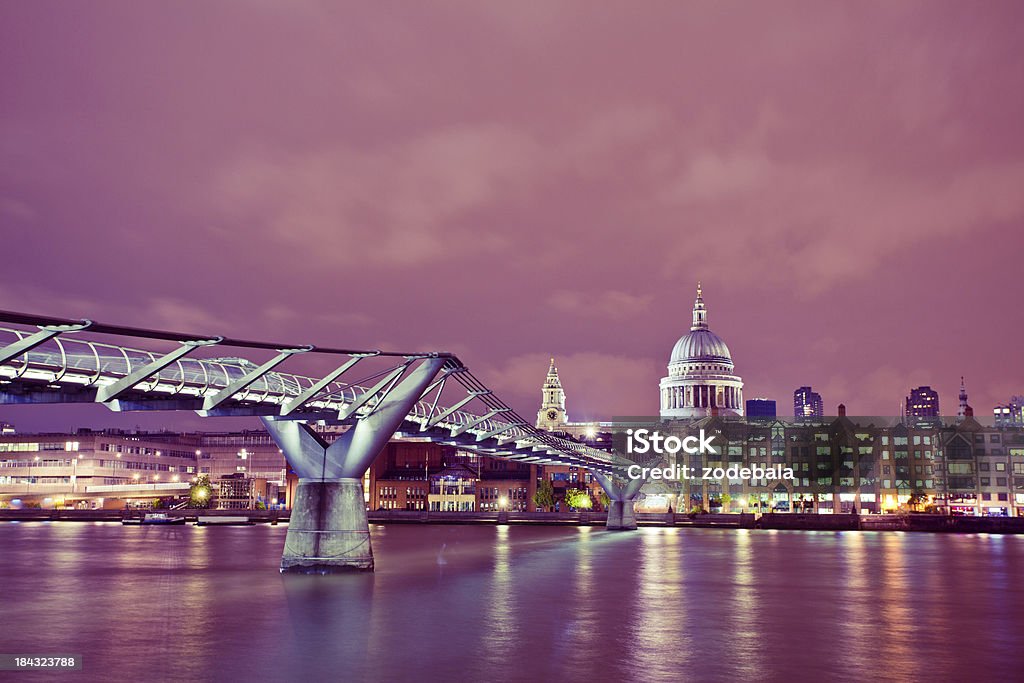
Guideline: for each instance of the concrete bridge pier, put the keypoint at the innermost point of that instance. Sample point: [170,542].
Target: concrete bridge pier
[620,509]
[328,532]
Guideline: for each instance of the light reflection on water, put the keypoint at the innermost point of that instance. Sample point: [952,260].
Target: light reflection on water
[516,603]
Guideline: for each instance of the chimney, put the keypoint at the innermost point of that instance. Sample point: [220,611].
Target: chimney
[842,410]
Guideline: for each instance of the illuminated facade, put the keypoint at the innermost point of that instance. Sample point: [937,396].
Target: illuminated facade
[107,468]
[551,415]
[700,380]
[1011,413]
[840,465]
[923,402]
[807,403]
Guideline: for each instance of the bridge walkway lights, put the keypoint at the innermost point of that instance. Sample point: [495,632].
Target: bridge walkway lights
[50,362]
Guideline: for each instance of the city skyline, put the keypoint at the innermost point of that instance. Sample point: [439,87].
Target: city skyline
[458,340]
[852,205]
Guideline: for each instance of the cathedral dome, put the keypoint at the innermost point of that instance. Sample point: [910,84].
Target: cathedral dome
[700,346]
[701,377]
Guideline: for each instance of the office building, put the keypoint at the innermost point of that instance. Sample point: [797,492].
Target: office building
[807,403]
[922,402]
[760,407]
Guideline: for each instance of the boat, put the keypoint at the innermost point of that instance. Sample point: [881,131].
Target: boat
[223,520]
[154,518]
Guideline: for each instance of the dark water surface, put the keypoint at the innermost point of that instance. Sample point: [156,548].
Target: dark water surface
[485,603]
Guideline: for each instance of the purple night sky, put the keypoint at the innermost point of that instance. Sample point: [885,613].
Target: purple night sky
[511,181]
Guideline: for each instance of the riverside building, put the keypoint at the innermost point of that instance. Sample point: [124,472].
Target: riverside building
[114,468]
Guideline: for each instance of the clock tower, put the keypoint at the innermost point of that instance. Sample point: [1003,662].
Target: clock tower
[551,415]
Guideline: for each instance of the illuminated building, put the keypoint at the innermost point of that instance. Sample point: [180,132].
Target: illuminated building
[700,377]
[922,402]
[807,403]
[551,415]
[113,467]
[1010,414]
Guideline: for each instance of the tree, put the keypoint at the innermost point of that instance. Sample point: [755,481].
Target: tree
[545,495]
[201,492]
[578,499]
[604,500]
[726,499]
[917,498]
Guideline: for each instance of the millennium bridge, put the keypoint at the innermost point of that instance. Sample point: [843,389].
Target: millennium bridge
[372,395]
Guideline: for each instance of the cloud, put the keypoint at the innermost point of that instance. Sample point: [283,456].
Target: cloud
[17,210]
[278,315]
[832,223]
[610,304]
[395,205]
[177,315]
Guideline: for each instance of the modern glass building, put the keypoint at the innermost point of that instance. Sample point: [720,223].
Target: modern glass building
[760,407]
[807,403]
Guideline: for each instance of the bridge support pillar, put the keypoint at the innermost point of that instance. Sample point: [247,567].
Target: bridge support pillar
[620,509]
[621,516]
[328,532]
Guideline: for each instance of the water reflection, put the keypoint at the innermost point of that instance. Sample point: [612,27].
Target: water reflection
[517,603]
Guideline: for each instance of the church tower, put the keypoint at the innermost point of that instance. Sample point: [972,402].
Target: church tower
[551,415]
[964,408]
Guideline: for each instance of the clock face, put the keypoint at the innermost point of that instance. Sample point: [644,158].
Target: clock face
[552,414]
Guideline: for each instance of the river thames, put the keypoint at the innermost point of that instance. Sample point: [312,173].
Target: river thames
[498,603]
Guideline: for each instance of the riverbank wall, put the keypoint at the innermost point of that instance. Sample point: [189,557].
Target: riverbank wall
[781,521]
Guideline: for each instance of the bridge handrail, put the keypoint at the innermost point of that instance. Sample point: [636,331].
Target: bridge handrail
[89,363]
